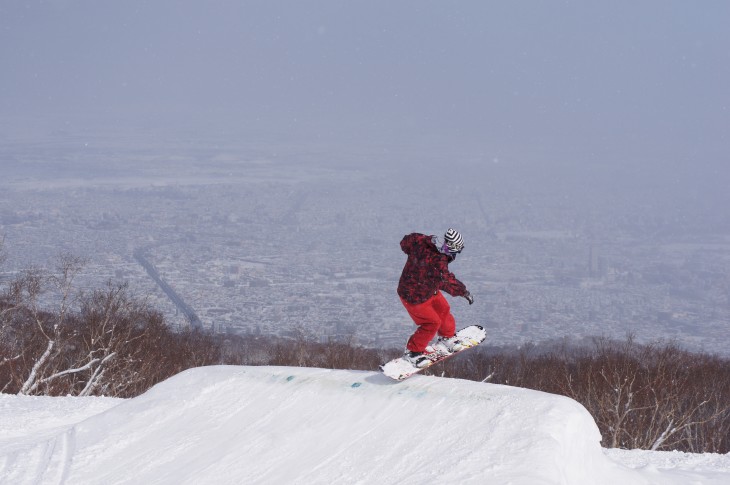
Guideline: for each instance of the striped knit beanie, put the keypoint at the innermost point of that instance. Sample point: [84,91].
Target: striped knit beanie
[454,240]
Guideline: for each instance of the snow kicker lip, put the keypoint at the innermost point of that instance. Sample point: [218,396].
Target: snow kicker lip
[238,424]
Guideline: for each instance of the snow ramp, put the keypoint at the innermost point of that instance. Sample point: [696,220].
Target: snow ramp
[284,425]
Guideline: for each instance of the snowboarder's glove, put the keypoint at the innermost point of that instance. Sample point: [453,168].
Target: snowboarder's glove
[469,298]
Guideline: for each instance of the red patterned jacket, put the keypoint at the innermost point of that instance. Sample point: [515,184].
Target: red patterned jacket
[426,271]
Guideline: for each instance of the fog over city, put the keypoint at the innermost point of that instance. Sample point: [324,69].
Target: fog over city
[251,166]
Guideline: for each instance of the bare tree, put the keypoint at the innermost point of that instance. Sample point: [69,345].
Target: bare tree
[107,327]
[41,372]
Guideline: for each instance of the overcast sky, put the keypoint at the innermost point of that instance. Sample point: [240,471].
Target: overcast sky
[646,78]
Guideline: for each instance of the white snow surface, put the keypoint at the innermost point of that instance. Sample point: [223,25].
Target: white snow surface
[285,425]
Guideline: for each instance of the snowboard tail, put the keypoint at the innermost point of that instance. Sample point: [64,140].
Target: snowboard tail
[401,369]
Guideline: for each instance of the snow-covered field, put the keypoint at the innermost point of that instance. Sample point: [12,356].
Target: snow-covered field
[282,425]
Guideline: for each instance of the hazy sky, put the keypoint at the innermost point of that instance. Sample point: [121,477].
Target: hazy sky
[647,78]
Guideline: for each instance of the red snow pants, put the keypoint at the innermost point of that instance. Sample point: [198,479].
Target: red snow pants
[432,316]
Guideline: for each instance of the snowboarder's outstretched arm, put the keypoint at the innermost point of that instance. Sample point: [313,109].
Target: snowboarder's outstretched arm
[450,284]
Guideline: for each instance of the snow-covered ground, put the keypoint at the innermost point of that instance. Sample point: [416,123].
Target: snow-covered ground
[282,425]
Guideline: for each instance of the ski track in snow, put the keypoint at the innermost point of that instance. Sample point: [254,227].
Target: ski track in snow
[275,425]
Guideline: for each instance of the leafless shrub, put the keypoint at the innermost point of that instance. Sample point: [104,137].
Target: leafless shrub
[653,396]
[300,352]
[105,342]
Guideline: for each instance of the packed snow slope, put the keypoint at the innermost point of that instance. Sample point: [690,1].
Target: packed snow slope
[283,425]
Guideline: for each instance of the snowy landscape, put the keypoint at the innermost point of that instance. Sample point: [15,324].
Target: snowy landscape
[250,168]
[277,425]
[247,170]
[257,239]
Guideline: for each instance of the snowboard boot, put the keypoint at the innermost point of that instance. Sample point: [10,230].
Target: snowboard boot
[417,359]
[450,344]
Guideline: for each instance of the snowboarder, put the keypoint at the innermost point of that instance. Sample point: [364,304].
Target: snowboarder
[424,275]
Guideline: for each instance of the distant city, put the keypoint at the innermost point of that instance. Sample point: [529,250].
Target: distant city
[264,240]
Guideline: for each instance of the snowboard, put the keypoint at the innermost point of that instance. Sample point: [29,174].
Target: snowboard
[400,369]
